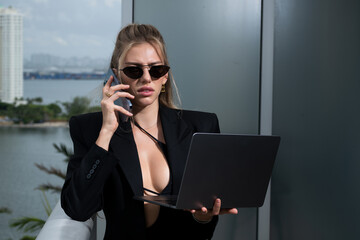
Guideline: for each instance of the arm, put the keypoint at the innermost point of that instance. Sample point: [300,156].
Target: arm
[91,164]
[87,172]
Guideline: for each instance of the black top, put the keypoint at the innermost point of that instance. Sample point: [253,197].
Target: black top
[155,230]
[162,146]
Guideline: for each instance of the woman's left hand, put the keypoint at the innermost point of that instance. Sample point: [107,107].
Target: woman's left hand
[205,215]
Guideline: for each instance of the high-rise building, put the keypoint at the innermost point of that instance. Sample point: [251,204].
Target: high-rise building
[11,55]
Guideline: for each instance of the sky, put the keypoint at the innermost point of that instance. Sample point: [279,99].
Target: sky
[69,28]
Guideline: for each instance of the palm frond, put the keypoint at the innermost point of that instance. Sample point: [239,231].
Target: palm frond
[27,224]
[51,170]
[5,210]
[46,204]
[28,238]
[63,149]
[49,187]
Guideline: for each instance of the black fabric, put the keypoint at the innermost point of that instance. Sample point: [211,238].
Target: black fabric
[162,146]
[114,181]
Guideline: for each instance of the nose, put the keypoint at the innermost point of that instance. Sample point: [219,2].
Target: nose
[146,74]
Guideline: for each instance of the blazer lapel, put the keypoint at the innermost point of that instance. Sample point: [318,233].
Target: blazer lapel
[123,146]
[177,136]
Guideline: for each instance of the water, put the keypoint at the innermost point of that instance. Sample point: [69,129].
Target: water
[21,148]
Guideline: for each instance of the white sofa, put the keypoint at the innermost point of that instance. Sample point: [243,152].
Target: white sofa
[59,226]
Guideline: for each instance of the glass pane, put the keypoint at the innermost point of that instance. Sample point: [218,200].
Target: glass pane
[316,183]
[214,49]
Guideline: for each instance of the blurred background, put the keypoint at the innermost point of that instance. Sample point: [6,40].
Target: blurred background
[53,58]
[290,68]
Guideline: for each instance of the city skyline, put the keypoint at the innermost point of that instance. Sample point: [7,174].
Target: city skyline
[49,62]
[83,28]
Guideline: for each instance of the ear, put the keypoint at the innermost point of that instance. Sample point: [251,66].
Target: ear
[116,73]
[165,78]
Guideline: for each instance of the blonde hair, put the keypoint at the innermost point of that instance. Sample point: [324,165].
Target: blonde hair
[133,34]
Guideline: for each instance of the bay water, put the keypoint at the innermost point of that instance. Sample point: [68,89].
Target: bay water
[21,148]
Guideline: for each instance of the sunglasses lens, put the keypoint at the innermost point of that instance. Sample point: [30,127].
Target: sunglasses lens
[158,71]
[133,72]
[137,72]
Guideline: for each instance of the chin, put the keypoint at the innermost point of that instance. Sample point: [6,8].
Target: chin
[144,102]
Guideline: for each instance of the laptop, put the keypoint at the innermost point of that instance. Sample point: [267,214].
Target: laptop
[233,167]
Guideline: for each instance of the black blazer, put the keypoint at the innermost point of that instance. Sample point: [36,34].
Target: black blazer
[97,179]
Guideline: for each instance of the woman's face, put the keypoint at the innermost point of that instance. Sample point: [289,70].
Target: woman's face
[145,89]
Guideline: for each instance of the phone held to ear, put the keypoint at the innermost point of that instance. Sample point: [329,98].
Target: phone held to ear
[123,102]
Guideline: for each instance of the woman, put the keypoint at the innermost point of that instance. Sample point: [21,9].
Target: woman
[115,160]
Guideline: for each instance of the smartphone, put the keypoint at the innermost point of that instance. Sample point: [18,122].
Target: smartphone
[123,102]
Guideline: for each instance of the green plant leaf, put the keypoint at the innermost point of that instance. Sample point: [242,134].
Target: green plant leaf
[51,170]
[27,224]
[46,204]
[63,149]
[5,210]
[28,238]
[49,187]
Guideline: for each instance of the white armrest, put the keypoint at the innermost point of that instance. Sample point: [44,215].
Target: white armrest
[59,226]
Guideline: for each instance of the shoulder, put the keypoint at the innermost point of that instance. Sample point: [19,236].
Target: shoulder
[197,116]
[199,121]
[87,125]
[86,119]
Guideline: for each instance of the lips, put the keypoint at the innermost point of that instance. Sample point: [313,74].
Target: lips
[146,91]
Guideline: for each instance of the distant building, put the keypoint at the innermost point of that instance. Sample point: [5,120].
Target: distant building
[11,55]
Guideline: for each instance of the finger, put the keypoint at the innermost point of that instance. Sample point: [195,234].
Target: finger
[121,94]
[106,87]
[192,211]
[229,211]
[204,210]
[109,81]
[116,88]
[217,207]
[123,110]
[107,94]
[233,211]
[119,87]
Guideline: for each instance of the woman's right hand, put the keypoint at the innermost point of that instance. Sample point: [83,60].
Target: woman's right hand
[109,111]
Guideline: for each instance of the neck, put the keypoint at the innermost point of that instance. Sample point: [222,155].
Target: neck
[146,117]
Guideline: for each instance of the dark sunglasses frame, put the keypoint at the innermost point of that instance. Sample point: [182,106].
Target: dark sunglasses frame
[136,72]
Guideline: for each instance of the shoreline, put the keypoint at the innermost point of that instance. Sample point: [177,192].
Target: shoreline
[35,125]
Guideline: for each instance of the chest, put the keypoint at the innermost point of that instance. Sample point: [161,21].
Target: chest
[155,170]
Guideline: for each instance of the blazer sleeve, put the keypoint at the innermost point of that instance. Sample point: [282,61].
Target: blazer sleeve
[87,171]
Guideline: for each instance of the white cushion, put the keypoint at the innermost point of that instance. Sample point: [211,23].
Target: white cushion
[60,226]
